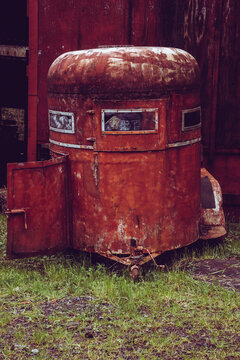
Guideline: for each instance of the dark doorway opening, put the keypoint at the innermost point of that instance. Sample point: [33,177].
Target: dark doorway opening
[14,84]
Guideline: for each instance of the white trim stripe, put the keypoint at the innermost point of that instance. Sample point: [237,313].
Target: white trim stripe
[184,143]
[89,147]
[74,146]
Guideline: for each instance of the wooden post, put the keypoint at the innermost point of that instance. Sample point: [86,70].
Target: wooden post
[32,72]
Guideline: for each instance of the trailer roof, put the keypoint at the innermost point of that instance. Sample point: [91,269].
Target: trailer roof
[123,71]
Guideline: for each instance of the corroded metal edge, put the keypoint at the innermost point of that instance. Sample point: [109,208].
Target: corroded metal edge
[212,220]
[115,71]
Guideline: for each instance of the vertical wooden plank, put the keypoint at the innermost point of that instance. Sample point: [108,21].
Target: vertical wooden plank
[212,34]
[32,72]
[172,19]
[103,23]
[194,25]
[202,24]
[228,107]
[58,33]
[146,25]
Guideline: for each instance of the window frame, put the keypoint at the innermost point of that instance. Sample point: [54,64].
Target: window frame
[193,127]
[63,113]
[131,132]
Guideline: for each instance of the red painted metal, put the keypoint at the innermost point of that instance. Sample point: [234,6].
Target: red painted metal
[122,72]
[38,218]
[140,188]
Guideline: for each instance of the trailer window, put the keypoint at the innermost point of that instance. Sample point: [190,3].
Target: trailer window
[129,121]
[61,121]
[191,119]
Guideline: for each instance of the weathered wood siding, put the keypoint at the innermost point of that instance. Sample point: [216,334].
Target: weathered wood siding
[228,105]
[210,31]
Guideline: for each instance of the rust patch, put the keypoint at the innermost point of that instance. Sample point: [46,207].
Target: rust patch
[125,70]
[212,221]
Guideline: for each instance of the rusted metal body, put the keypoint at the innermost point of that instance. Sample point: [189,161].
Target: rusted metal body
[125,133]
[130,189]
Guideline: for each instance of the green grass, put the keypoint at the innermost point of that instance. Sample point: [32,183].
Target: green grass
[3,235]
[68,307]
[232,244]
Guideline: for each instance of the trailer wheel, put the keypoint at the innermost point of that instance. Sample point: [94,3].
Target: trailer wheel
[134,272]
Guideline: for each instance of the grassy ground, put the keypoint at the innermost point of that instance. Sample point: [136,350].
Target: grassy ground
[69,307]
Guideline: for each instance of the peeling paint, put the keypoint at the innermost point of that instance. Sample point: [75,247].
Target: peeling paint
[212,221]
[111,70]
[142,186]
[95,169]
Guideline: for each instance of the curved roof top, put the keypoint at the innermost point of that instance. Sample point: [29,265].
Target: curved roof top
[110,72]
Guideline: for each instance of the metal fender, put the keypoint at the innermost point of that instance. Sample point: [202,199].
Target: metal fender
[212,220]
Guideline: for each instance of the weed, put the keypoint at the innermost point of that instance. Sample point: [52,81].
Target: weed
[67,306]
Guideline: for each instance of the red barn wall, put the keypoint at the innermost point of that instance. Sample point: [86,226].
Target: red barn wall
[212,35]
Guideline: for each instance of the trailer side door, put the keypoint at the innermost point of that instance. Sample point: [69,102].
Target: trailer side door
[38,207]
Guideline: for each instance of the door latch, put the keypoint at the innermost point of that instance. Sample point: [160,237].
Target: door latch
[91,139]
[17,212]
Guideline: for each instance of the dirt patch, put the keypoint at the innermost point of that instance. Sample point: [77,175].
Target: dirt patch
[225,272]
[75,305]
[72,316]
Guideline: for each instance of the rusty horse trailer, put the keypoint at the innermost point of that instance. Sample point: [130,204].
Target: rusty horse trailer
[124,179]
